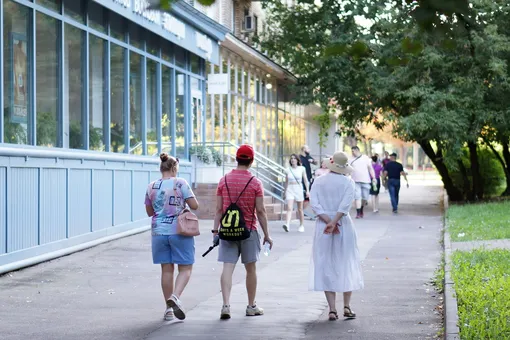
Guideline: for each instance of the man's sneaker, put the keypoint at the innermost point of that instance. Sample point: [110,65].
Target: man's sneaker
[301,229]
[225,313]
[395,211]
[169,315]
[254,310]
[176,306]
[286,228]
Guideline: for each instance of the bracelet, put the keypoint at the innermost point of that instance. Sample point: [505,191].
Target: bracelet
[214,231]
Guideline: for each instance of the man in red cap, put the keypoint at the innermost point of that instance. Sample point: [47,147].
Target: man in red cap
[242,186]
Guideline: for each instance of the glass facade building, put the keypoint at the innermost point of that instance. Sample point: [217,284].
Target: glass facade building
[254,111]
[79,74]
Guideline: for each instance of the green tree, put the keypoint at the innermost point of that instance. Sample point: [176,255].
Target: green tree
[432,80]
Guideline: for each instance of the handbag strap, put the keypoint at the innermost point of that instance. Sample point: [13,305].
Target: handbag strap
[292,172]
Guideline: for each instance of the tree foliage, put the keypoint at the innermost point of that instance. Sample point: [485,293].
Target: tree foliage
[437,70]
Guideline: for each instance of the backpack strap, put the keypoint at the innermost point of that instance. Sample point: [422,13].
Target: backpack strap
[242,192]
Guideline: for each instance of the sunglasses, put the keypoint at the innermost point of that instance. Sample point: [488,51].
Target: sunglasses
[177,159]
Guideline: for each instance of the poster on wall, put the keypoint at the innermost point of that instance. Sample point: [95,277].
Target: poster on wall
[19,70]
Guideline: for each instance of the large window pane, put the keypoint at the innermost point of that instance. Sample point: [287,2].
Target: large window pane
[73,87]
[166,118]
[153,43]
[135,104]
[75,9]
[96,93]
[195,63]
[180,57]
[117,83]
[17,120]
[47,81]
[135,38]
[180,104]
[117,26]
[51,4]
[97,17]
[152,110]
[196,109]
[167,51]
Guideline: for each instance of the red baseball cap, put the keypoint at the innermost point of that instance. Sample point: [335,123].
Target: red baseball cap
[245,151]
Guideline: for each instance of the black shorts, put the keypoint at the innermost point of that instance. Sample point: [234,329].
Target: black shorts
[375,192]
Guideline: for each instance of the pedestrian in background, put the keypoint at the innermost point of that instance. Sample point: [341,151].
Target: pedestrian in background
[295,180]
[375,189]
[307,160]
[335,264]
[364,176]
[323,169]
[165,199]
[392,172]
[242,187]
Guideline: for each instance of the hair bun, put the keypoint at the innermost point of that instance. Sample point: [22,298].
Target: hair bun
[164,157]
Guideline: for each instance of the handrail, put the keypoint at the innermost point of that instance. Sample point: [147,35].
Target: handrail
[268,171]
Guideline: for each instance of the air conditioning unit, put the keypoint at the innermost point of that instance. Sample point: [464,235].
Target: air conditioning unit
[249,23]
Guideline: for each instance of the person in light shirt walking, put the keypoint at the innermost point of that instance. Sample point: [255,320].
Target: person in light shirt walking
[363,176]
[296,178]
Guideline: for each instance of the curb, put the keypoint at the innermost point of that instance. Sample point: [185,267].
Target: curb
[451,316]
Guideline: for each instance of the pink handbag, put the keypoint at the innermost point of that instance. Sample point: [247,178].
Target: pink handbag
[187,222]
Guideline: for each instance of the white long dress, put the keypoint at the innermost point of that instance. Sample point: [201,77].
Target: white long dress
[335,265]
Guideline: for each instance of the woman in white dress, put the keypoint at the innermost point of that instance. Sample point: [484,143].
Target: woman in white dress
[296,176]
[335,265]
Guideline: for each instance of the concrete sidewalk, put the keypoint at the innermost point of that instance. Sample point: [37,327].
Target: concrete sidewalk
[113,291]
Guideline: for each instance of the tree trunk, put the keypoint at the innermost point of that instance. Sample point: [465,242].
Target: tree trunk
[465,180]
[478,182]
[506,156]
[454,193]
[503,164]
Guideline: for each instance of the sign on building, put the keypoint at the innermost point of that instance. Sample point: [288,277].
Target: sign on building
[218,83]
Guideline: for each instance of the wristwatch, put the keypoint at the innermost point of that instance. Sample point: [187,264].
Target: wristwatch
[214,231]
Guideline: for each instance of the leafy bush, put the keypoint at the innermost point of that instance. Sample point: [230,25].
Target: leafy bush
[490,169]
[206,154]
[482,286]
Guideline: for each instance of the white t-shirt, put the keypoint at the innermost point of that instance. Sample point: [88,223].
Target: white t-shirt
[297,173]
[361,173]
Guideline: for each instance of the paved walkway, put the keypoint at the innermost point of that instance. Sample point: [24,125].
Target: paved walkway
[487,244]
[112,291]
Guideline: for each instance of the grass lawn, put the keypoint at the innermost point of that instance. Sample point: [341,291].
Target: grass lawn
[482,285]
[486,221]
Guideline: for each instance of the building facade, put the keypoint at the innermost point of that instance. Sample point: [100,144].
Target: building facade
[91,91]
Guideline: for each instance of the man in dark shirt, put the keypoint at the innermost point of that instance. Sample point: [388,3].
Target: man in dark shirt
[306,159]
[392,172]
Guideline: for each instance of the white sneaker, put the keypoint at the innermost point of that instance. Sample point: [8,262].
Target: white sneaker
[225,313]
[301,229]
[254,310]
[169,314]
[176,306]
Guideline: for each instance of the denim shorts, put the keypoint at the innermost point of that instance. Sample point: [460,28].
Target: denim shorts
[176,249]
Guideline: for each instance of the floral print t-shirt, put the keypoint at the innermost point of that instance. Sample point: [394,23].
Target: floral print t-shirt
[160,195]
